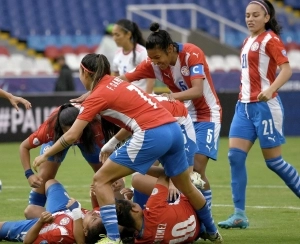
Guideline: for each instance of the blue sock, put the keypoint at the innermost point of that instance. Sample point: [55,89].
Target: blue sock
[286,172]
[36,198]
[110,221]
[208,196]
[237,160]
[205,217]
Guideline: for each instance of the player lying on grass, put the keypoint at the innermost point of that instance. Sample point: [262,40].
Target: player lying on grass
[63,221]
[160,221]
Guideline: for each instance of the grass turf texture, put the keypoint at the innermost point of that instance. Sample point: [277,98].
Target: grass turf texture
[273,210]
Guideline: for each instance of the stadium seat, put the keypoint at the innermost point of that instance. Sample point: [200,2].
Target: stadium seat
[294,59]
[72,61]
[42,66]
[217,62]
[232,63]
[67,49]
[4,51]
[52,52]
[82,49]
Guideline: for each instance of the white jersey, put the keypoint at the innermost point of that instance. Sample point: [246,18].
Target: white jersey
[123,63]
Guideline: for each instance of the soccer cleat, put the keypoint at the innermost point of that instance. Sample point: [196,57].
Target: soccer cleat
[215,238]
[235,221]
[196,180]
[106,240]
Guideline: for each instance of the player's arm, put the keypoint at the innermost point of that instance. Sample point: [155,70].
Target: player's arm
[14,100]
[195,91]
[33,180]
[78,233]
[150,85]
[34,231]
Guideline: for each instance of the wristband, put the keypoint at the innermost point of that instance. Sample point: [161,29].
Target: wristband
[76,213]
[113,141]
[28,173]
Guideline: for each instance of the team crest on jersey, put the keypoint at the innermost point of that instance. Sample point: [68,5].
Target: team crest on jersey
[154,191]
[254,46]
[64,221]
[44,242]
[185,71]
[36,142]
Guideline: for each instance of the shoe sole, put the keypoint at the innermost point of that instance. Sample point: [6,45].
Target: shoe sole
[232,227]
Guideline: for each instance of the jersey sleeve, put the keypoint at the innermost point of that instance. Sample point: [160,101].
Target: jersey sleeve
[40,136]
[276,49]
[114,67]
[196,63]
[92,106]
[142,71]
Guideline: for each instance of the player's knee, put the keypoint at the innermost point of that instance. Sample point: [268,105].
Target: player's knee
[50,183]
[236,156]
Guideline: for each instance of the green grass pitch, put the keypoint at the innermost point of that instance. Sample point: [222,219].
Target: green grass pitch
[273,210]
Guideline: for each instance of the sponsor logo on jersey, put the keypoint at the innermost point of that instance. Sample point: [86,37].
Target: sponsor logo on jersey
[254,46]
[185,71]
[36,142]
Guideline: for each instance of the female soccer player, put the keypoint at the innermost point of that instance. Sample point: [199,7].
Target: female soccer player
[183,68]
[132,51]
[155,135]
[89,143]
[259,112]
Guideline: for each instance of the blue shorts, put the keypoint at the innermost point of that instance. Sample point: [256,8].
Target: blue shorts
[164,143]
[208,137]
[57,199]
[190,144]
[89,157]
[262,120]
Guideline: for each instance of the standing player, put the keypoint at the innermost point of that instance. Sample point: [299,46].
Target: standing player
[155,135]
[132,51]
[259,112]
[183,68]
[14,100]
[89,143]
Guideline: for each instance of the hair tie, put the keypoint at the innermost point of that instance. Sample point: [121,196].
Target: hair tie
[91,72]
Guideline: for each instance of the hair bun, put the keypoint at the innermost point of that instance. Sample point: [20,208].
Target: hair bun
[154,27]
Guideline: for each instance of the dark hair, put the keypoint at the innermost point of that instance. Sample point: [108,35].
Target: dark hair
[93,234]
[97,66]
[136,35]
[65,117]
[123,208]
[272,24]
[159,39]
[109,129]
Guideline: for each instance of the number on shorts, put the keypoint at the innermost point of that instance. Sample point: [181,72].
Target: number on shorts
[266,124]
[209,136]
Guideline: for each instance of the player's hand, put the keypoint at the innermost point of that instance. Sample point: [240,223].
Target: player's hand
[46,217]
[169,96]
[92,191]
[72,204]
[127,192]
[118,185]
[38,161]
[14,100]
[265,95]
[173,192]
[35,181]
[81,98]
[108,148]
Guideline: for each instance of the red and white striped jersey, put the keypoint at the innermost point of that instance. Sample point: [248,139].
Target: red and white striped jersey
[191,64]
[260,57]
